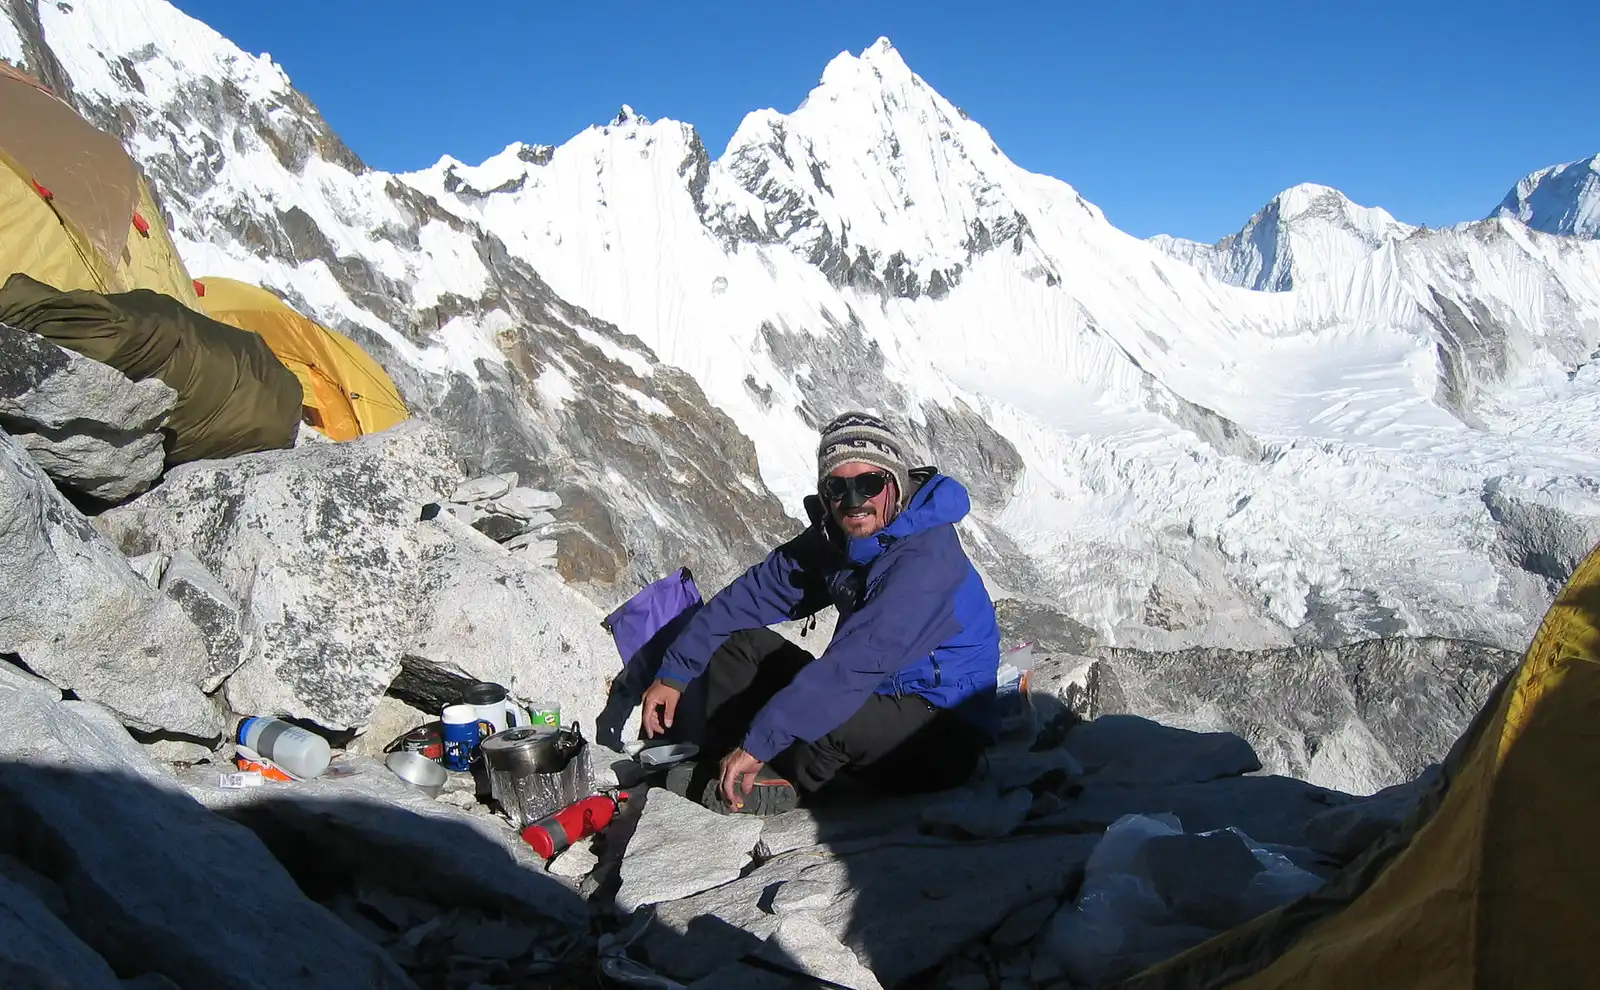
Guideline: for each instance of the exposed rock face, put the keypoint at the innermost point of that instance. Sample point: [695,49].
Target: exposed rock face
[1357,718]
[1539,535]
[485,615]
[639,460]
[75,612]
[320,545]
[205,601]
[86,424]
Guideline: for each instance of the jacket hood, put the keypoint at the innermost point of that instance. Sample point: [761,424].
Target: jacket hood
[938,501]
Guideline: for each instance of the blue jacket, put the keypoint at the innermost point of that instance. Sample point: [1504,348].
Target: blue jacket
[914,618]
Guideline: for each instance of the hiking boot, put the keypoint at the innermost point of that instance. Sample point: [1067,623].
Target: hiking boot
[686,779]
[771,795]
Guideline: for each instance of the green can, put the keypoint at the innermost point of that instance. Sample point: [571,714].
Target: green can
[545,713]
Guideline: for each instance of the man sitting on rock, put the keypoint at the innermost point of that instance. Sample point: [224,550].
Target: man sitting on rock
[904,697]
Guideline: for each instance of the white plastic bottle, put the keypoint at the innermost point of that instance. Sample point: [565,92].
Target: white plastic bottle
[299,751]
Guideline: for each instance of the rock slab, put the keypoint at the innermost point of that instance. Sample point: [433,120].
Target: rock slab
[319,545]
[37,950]
[87,425]
[680,849]
[575,861]
[801,942]
[1346,831]
[983,812]
[77,614]
[1271,810]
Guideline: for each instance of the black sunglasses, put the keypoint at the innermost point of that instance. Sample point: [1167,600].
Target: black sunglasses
[865,486]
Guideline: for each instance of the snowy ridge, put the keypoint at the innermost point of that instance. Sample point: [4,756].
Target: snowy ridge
[1561,199]
[1156,449]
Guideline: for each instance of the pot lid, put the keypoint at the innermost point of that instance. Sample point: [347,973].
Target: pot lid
[527,737]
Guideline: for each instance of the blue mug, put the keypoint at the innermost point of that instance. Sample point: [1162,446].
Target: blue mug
[462,730]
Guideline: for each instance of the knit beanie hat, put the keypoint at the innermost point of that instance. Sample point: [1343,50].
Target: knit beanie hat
[859,436]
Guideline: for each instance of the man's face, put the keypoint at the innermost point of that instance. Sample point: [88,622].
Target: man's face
[868,516]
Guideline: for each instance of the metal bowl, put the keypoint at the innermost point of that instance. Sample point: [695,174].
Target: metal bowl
[418,771]
[660,756]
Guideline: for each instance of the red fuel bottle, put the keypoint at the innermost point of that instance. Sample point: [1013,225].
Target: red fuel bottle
[549,836]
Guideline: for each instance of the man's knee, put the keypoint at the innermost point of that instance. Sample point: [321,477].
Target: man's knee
[941,753]
[756,647]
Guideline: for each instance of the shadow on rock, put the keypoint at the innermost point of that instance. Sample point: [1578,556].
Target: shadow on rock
[852,891]
[972,887]
[110,875]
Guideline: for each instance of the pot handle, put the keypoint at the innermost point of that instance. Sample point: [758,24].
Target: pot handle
[570,740]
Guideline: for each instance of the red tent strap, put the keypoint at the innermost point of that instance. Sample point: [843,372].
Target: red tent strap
[199,288]
[141,224]
[43,192]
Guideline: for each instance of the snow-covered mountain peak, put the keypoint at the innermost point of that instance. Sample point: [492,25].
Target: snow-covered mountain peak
[628,115]
[155,48]
[876,179]
[1303,233]
[503,171]
[879,65]
[1311,200]
[1561,199]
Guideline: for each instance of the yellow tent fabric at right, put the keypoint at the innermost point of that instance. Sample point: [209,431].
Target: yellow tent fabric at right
[346,393]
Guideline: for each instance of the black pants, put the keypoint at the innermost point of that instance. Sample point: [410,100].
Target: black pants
[892,745]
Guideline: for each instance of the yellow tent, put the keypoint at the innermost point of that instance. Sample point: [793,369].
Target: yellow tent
[346,392]
[1493,881]
[74,211]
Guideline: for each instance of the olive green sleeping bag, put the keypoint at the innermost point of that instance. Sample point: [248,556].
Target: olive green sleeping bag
[234,395]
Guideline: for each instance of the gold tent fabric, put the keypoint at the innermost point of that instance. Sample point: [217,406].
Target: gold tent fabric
[74,211]
[1493,882]
[346,392]
[234,395]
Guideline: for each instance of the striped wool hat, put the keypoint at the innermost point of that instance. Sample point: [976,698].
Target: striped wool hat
[859,436]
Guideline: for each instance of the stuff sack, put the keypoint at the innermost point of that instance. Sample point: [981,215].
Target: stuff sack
[642,628]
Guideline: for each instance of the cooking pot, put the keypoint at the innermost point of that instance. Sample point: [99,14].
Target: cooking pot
[535,771]
[531,749]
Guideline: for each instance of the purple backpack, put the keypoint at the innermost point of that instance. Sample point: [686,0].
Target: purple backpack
[646,624]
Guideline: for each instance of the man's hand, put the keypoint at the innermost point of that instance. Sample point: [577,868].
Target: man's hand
[659,705]
[739,771]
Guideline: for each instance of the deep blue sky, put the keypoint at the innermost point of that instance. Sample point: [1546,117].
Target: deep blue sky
[1172,116]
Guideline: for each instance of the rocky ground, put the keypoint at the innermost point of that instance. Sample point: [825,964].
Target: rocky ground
[357,587]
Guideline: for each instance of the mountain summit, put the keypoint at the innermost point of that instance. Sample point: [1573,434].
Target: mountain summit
[1561,199]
